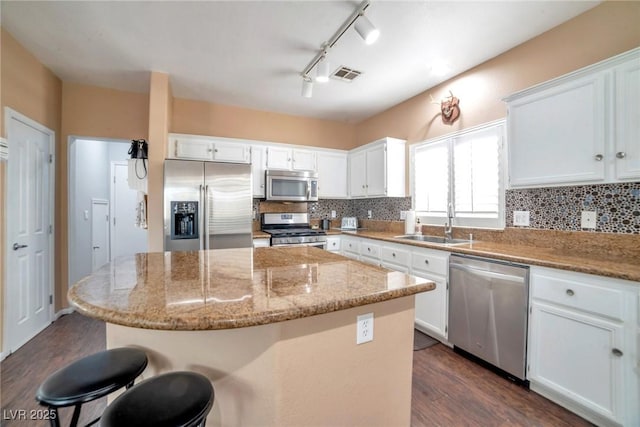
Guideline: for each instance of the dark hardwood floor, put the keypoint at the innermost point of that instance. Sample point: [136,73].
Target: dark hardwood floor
[448,390]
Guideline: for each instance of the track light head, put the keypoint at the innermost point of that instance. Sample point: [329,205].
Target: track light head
[307,87]
[322,71]
[367,30]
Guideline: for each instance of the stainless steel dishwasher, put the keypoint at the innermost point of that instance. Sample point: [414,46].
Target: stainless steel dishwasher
[488,303]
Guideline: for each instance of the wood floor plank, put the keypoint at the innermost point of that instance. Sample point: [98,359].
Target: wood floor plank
[448,390]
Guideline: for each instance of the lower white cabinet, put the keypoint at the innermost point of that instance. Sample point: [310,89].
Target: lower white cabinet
[333,244]
[350,246]
[261,242]
[583,352]
[432,307]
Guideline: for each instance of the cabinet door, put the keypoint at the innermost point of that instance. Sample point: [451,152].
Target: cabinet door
[579,357]
[627,146]
[231,152]
[358,174]
[557,136]
[194,149]
[333,244]
[278,158]
[304,160]
[258,166]
[332,175]
[431,307]
[376,171]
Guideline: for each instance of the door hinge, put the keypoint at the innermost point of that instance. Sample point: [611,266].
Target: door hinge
[446,328]
[50,299]
[50,158]
[50,229]
[530,310]
[114,221]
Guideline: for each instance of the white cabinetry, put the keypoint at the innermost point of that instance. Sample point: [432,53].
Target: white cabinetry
[350,246]
[432,306]
[578,129]
[261,242]
[378,169]
[193,147]
[333,244]
[291,159]
[370,251]
[582,344]
[258,167]
[332,174]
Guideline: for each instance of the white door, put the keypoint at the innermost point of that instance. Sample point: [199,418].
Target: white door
[99,233]
[29,227]
[358,174]
[126,237]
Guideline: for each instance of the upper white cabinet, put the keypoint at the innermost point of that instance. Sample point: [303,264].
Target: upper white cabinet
[578,129]
[258,166]
[291,159]
[332,174]
[192,147]
[378,169]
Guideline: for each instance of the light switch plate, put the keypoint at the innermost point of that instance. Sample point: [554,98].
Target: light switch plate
[521,218]
[403,214]
[333,214]
[588,219]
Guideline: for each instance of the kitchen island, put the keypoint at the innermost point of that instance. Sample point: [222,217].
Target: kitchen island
[273,328]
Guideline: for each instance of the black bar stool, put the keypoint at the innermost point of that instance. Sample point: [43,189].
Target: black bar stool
[90,378]
[175,399]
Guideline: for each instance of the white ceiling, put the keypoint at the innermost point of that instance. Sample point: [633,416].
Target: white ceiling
[251,54]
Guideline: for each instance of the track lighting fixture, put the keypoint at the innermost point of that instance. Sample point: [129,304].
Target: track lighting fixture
[363,27]
[307,87]
[366,29]
[322,70]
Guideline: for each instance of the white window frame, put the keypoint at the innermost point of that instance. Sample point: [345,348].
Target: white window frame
[469,221]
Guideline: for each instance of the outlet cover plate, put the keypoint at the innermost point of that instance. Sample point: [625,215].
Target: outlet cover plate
[364,328]
[403,214]
[521,218]
[588,219]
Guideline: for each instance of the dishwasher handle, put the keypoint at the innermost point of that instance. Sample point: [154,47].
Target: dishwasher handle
[487,274]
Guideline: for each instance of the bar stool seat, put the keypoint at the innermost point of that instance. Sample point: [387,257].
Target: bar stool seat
[90,378]
[175,399]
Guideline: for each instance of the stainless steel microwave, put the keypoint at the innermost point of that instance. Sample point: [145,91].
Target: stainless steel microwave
[292,186]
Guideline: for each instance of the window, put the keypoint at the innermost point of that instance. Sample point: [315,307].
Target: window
[463,171]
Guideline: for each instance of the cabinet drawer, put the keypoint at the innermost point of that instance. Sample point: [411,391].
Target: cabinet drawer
[333,243]
[577,291]
[395,255]
[369,249]
[435,262]
[351,245]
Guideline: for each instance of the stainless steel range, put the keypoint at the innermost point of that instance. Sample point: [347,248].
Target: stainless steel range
[287,229]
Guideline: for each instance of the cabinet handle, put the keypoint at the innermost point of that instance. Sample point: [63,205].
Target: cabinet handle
[570,292]
[369,249]
[17,246]
[621,154]
[617,352]
[426,261]
[393,255]
[215,151]
[598,157]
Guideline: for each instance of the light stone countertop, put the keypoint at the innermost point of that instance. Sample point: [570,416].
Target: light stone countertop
[233,288]
[605,262]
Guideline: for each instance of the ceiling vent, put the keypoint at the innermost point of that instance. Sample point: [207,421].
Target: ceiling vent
[345,74]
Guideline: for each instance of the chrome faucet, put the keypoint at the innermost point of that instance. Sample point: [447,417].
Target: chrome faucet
[448,226]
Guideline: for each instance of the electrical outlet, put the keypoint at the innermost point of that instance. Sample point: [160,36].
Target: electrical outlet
[588,219]
[333,214]
[521,218]
[364,328]
[369,215]
[403,214]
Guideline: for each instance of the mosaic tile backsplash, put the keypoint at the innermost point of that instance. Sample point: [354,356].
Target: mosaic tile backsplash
[617,207]
[552,208]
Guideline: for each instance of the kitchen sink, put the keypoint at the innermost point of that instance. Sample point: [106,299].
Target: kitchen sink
[432,239]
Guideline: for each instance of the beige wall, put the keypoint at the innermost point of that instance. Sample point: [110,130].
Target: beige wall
[90,111]
[202,118]
[33,90]
[604,31]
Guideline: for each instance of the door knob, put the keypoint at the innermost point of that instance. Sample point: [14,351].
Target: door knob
[621,154]
[17,246]
[598,157]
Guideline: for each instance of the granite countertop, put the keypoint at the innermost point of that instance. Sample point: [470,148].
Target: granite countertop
[233,288]
[602,263]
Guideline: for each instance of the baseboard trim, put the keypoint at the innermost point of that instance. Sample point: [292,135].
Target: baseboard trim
[63,312]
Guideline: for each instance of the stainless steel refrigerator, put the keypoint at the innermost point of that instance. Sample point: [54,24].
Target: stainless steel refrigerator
[207,205]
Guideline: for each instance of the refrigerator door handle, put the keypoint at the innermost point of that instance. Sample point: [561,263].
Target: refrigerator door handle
[206,217]
[202,216]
